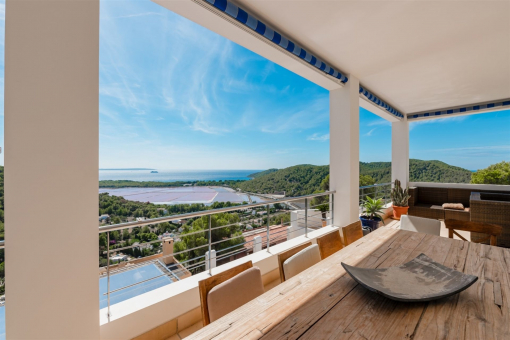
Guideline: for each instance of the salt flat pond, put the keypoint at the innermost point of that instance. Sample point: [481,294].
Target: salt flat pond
[181,195]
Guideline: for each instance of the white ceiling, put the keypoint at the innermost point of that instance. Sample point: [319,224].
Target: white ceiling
[417,55]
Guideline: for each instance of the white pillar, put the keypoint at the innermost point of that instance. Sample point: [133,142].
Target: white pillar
[213,259]
[400,151]
[51,169]
[257,244]
[344,151]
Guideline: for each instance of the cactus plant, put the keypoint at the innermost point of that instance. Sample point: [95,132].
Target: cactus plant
[399,196]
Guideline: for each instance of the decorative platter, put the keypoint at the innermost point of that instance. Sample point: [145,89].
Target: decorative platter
[420,279]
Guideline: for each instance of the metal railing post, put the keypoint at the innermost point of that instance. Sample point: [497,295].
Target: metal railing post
[108,272]
[267,231]
[332,208]
[210,250]
[306,217]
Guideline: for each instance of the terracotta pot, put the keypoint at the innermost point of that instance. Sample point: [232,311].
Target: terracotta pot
[399,211]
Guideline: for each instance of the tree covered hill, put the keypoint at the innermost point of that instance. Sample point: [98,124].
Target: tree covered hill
[262,173]
[495,174]
[295,180]
[305,179]
[437,171]
[419,171]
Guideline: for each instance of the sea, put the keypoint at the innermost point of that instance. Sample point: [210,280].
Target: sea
[174,175]
[180,194]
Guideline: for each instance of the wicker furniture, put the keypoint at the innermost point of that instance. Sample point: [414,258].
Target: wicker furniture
[488,207]
[428,202]
[485,231]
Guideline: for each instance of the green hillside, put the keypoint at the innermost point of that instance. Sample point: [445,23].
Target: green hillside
[419,171]
[379,171]
[262,173]
[305,179]
[436,171]
[295,180]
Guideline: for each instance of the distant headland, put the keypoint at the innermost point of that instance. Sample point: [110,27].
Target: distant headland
[120,169]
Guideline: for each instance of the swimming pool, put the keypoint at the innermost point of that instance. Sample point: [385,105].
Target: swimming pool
[130,277]
[118,281]
[2,323]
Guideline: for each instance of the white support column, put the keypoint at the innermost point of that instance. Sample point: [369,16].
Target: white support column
[51,169]
[400,151]
[344,151]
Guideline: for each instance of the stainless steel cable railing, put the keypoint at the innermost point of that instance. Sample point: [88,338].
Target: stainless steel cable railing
[189,263]
[376,191]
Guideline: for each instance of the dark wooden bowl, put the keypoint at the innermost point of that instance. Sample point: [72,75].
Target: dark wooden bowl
[420,279]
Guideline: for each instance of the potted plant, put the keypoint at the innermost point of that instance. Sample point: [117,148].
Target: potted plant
[400,199]
[371,213]
[324,208]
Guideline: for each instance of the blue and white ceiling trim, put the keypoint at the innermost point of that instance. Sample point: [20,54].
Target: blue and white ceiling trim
[267,32]
[462,110]
[374,99]
[263,30]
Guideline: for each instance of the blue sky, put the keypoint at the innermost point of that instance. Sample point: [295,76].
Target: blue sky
[174,95]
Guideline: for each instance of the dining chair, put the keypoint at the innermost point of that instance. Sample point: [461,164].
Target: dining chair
[300,261]
[329,244]
[420,225]
[492,230]
[282,257]
[352,232]
[224,292]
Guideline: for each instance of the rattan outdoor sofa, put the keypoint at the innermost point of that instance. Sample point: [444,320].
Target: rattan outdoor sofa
[488,207]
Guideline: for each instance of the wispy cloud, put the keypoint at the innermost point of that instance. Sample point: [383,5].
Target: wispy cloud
[313,114]
[369,133]
[135,15]
[379,122]
[443,120]
[319,137]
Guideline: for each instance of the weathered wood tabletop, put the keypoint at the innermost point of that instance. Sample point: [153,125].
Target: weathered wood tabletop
[323,302]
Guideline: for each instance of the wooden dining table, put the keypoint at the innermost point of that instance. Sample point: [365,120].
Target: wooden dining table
[323,302]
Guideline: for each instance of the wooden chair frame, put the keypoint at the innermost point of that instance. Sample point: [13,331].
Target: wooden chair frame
[329,244]
[282,257]
[206,285]
[352,232]
[492,230]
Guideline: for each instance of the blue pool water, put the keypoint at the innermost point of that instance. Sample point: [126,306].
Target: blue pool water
[2,323]
[130,277]
[118,281]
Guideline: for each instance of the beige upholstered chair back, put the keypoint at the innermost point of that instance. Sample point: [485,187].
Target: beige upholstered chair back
[282,257]
[301,261]
[420,225]
[226,291]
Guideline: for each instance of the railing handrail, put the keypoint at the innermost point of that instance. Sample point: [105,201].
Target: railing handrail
[374,185]
[157,220]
